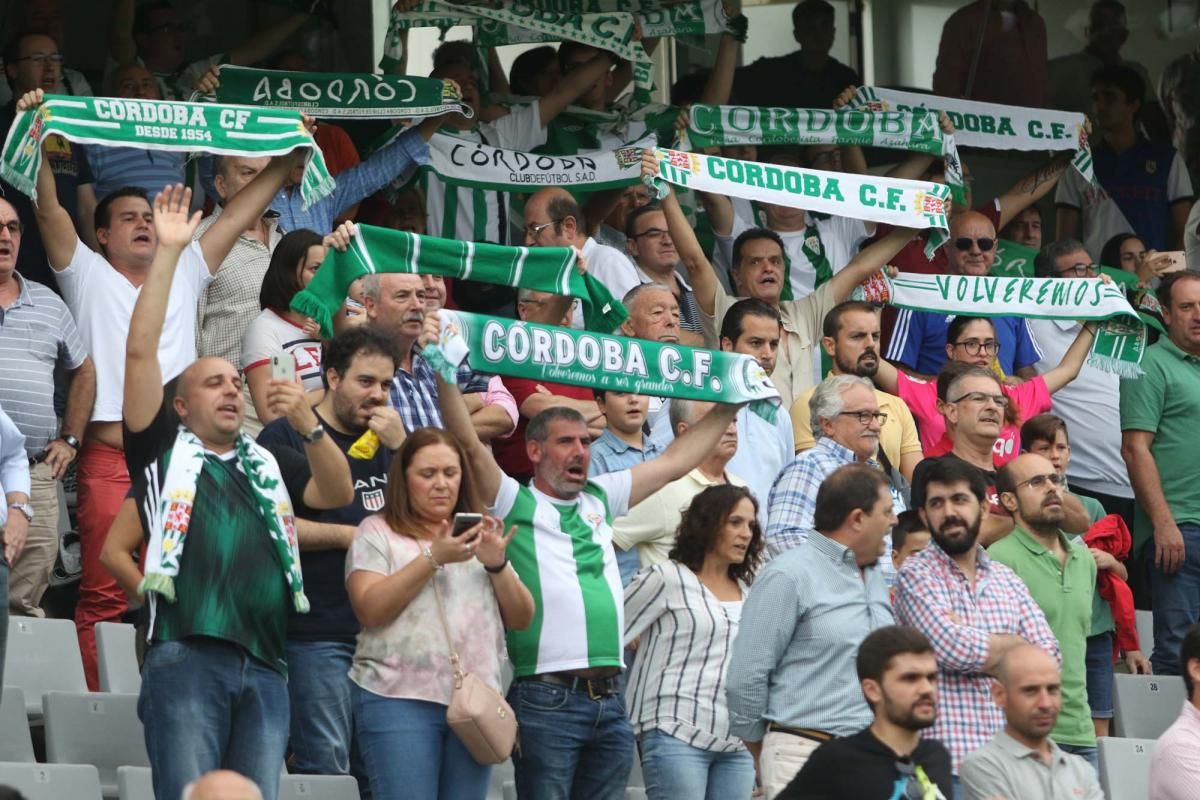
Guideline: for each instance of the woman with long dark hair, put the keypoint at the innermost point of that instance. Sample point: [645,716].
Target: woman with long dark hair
[685,612]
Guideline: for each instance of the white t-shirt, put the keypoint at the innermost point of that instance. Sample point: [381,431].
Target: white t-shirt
[520,129]
[269,335]
[841,237]
[612,268]
[102,300]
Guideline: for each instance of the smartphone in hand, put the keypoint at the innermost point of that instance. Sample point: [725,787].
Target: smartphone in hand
[283,367]
[464,523]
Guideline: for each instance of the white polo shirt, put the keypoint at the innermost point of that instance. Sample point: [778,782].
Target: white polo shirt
[102,299]
[1090,405]
[612,268]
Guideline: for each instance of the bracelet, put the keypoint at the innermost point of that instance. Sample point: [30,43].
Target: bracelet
[497,570]
[427,551]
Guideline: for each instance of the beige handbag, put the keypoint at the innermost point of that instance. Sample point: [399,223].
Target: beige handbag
[478,714]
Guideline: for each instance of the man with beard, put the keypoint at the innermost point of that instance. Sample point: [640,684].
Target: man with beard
[1022,760]
[851,340]
[655,259]
[1061,576]
[359,365]
[898,674]
[790,684]
[972,608]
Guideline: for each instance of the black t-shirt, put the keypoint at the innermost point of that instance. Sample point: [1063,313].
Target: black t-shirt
[331,618]
[784,81]
[989,477]
[860,767]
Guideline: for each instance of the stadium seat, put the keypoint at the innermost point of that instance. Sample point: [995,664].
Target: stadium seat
[116,650]
[15,742]
[1145,631]
[134,783]
[1145,705]
[98,729]
[501,774]
[1125,767]
[52,781]
[318,787]
[43,656]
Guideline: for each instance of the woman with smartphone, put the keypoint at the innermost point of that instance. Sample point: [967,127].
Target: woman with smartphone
[684,614]
[427,575]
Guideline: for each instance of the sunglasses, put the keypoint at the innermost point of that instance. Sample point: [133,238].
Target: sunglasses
[963,243]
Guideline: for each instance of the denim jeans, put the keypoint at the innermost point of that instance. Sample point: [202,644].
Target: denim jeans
[674,769]
[410,751]
[570,746]
[1086,752]
[207,704]
[1176,602]
[1099,661]
[322,723]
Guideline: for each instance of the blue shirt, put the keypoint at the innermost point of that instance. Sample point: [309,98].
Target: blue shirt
[352,186]
[610,454]
[919,342]
[414,395]
[764,449]
[14,463]
[117,167]
[1138,181]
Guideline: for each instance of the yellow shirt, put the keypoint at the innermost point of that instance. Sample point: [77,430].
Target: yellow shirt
[897,438]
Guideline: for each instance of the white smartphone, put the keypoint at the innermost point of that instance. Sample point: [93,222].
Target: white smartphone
[464,523]
[1178,260]
[283,367]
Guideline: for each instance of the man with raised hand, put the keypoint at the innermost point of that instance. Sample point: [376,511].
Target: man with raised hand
[655,260]
[222,568]
[101,289]
[576,740]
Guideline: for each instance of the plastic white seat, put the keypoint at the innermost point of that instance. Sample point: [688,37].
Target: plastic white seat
[16,744]
[43,656]
[1125,767]
[98,729]
[510,790]
[502,773]
[52,781]
[135,783]
[1145,705]
[318,787]
[1144,621]
[116,650]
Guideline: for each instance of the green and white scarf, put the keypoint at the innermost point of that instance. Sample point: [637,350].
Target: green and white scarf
[544,269]
[337,94]
[904,203]
[547,353]
[1120,341]
[914,131]
[172,513]
[160,125]
[992,126]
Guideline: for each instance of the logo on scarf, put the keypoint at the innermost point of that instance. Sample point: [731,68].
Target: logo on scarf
[930,204]
[627,156]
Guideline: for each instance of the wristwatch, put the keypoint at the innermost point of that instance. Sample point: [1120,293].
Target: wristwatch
[315,435]
[71,442]
[24,508]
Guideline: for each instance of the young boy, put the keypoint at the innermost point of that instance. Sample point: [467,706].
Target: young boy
[909,537]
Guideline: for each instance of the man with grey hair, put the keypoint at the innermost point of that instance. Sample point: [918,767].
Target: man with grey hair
[650,525]
[395,304]
[1090,405]
[845,421]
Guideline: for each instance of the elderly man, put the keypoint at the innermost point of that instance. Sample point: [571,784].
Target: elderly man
[1175,770]
[846,423]
[791,682]
[655,259]
[1022,760]
[919,339]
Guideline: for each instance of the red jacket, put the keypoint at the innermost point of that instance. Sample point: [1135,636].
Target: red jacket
[1111,535]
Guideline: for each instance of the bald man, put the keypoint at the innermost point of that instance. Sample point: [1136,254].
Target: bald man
[222,784]
[554,219]
[1022,760]
[919,341]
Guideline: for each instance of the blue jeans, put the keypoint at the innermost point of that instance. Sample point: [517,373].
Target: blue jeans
[1099,661]
[410,751]
[208,704]
[1089,754]
[1176,601]
[322,722]
[570,745]
[674,769]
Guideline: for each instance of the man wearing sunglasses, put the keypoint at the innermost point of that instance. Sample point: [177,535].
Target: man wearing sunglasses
[1061,576]
[918,341]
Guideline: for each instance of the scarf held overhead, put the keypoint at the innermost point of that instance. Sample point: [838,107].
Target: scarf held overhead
[904,203]
[992,126]
[1120,341]
[160,125]
[543,269]
[329,94]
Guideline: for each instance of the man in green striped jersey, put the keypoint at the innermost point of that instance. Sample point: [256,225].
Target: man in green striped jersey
[575,737]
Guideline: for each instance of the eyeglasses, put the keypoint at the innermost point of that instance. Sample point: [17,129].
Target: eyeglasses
[973,346]
[654,234]
[963,243]
[865,417]
[533,231]
[1081,270]
[982,397]
[14,227]
[41,59]
[1039,481]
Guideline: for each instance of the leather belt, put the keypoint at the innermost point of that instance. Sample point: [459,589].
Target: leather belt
[596,688]
[803,733]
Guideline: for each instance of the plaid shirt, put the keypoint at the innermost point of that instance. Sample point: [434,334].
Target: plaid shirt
[933,595]
[414,396]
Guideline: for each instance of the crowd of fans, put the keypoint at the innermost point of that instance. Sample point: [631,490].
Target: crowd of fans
[918,582]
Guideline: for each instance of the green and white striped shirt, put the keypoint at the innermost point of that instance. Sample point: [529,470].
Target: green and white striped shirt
[563,552]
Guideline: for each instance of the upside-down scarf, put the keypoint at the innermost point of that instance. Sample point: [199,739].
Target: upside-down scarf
[337,94]
[992,126]
[904,203]
[551,354]
[174,504]
[160,125]
[544,269]
[914,131]
[1120,340]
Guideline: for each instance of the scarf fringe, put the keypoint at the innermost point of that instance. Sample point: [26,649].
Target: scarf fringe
[1122,369]
[305,303]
